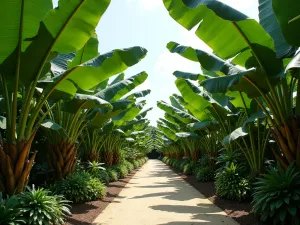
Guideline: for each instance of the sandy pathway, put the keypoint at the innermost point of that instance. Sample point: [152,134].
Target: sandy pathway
[158,196]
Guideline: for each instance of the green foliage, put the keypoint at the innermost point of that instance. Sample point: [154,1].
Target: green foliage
[136,164]
[113,175]
[97,171]
[39,206]
[121,170]
[103,176]
[189,168]
[206,173]
[230,184]
[277,196]
[94,167]
[129,166]
[80,187]
[9,212]
[34,207]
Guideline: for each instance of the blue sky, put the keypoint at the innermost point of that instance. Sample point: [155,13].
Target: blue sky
[147,23]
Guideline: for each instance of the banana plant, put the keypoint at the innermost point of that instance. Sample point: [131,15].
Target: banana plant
[35,33]
[261,74]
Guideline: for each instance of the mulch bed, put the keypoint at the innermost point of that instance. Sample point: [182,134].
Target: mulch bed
[86,213]
[239,211]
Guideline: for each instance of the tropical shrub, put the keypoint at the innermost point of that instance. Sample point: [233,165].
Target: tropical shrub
[80,187]
[113,175]
[103,176]
[136,164]
[276,196]
[230,184]
[189,168]
[129,166]
[121,170]
[94,167]
[39,206]
[9,211]
[205,174]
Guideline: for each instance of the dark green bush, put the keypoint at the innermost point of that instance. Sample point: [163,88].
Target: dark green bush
[34,207]
[129,166]
[96,170]
[80,187]
[277,196]
[136,164]
[121,170]
[103,176]
[182,165]
[230,184]
[39,206]
[9,212]
[205,174]
[189,168]
[113,175]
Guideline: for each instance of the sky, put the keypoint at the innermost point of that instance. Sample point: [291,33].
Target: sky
[146,23]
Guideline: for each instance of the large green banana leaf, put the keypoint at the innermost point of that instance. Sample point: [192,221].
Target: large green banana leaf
[181,115]
[215,68]
[167,131]
[207,61]
[81,101]
[86,53]
[139,94]
[203,125]
[143,114]
[96,70]
[134,124]
[175,121]
[129,114]
[118,90]
[269,22]
[175,102]
[285,12]
[20,22]
[100,116]
[119,78]
[191,109]
[64,29]
[170,125]
[184,135]
[186,75]
[237,36]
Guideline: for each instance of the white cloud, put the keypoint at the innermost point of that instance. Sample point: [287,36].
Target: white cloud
[145,4]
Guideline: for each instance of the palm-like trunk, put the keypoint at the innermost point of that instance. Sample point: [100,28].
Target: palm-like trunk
[107,158]
[62,158]
[91,156]
[15,166]
[116,157]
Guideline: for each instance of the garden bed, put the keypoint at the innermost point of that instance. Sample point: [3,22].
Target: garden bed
[239,211]
[86,213]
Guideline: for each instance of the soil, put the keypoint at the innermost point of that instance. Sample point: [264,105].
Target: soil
[86,213]
[239,211]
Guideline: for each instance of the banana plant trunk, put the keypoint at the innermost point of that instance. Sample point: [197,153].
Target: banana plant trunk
[116,158]
[288,138]
[91,156]
[195,156]
[15,166]
[62,158]
[107,158]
